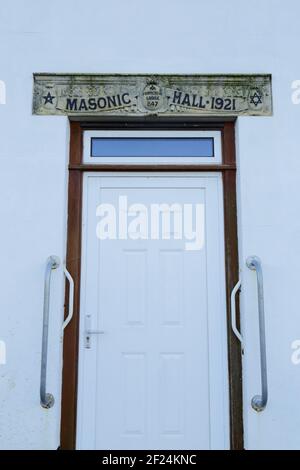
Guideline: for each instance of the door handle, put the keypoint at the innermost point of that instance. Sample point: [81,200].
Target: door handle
[47,399]
[235,290]
[259,402]
[89,332]
[71,299]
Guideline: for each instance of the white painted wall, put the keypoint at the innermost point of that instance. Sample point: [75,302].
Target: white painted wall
[171,36]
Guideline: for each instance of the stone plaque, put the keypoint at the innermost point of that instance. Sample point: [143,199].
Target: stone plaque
[159,95]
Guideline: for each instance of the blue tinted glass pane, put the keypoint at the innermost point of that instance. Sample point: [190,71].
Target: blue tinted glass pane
[152,147]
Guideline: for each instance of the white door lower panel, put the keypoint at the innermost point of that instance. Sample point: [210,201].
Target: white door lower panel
[157,376]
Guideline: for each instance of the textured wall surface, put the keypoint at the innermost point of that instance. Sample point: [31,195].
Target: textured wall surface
[136,36]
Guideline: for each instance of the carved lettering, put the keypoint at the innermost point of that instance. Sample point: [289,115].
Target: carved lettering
[71,104]
[161,95]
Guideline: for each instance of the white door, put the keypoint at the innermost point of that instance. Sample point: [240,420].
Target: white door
[154,376]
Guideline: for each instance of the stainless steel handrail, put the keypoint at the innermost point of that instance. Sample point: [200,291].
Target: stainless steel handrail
[259,402]
[47,399]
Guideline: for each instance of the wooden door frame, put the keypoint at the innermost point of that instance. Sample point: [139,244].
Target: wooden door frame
[73,258]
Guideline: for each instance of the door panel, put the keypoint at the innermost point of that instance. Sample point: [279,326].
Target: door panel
[157,376]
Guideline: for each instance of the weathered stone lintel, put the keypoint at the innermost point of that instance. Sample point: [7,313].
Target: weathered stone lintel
[161,95]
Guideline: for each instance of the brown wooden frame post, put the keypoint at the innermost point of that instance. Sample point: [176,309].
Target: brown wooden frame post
[232,277]
[73,262]
[76,170]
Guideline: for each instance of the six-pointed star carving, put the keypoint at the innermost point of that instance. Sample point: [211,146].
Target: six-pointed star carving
[48,98]
[256,99]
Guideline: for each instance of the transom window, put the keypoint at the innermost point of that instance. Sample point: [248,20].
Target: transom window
[152,147]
